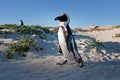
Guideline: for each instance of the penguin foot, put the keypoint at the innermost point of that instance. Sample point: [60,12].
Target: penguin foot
[64,62]
[80,62]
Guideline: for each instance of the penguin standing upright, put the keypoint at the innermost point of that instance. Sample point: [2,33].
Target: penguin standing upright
[21,23]
[67,41]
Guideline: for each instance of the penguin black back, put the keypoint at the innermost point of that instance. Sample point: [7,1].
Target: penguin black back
[21,23]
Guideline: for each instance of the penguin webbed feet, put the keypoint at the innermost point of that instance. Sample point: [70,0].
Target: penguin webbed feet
[64,62]
[79,61]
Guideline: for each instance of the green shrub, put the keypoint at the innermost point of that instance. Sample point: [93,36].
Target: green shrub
[32,30]
[9,54]
[94,43]
[7,26]
[11,50]
[29,29]
[23,45]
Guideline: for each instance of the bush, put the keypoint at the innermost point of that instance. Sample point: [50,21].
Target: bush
[29,29]
[7,26]
[94,43]
[23,45]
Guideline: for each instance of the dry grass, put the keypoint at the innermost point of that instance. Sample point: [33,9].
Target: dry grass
[96,28]
[117,35]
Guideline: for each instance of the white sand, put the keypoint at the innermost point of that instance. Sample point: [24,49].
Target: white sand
[101,64]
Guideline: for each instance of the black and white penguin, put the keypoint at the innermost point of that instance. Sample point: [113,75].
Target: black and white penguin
[21,23]
[67,41]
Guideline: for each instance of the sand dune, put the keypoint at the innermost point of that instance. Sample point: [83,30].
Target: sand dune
[100,63]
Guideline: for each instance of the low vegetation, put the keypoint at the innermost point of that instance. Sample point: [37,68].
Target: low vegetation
[94,44]
[25,41]
[117,35]
[29,29]
[7,26]
[118,26]
[23,45]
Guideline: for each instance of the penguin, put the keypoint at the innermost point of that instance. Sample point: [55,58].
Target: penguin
[67,41]
[21,23]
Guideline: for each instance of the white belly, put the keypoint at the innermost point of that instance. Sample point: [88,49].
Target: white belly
[63,44]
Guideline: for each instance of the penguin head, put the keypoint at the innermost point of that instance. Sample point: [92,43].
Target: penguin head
[63,18]
[20,20]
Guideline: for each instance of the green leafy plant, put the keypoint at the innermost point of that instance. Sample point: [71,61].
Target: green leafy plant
[25,41]
[7,26]
[94,43]
[26,29]
[12,48]
[32,30]
[23,45]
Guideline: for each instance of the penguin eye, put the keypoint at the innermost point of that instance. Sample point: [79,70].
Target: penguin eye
[62,17]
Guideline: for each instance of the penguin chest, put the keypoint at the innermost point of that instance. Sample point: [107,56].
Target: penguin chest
[63,44]
[62,41]
[61,35]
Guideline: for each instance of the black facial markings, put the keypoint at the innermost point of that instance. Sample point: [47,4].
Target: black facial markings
[62,18]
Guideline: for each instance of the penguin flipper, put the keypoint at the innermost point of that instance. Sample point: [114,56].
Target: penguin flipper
[72,47]
[59,49]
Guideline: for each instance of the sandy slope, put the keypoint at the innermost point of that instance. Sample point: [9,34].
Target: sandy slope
[102,64]
[105,35]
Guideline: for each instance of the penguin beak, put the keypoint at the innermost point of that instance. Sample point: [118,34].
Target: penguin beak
[57,18]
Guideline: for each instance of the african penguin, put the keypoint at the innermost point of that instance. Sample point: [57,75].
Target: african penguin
[21,23]
[67,41]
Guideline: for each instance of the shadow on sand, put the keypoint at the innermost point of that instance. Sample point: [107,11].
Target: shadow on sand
[110,47]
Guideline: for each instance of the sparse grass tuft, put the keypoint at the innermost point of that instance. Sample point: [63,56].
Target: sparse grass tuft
[25,42]
[118,26]
[94,43]
[117,35]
